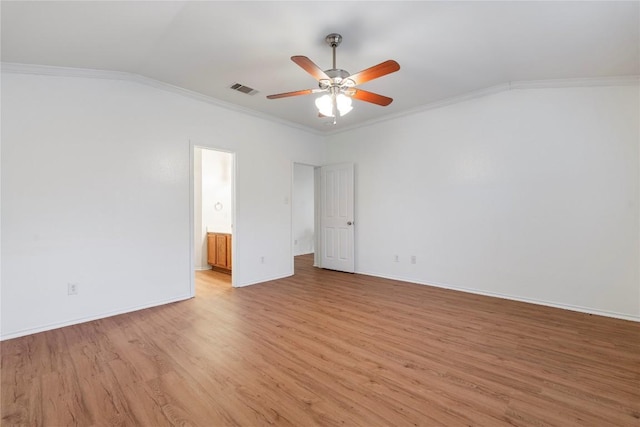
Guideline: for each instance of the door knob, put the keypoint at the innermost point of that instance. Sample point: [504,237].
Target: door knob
[349,222]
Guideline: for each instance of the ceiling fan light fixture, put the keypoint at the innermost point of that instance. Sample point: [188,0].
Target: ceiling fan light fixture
[344,104]
[325,104]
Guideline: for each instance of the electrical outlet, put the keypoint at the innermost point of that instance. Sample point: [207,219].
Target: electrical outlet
[261,260]
[72,288]
[396,258]
[413,259]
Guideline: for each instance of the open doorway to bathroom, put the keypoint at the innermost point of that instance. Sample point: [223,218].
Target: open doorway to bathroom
[303,215]
[213,216]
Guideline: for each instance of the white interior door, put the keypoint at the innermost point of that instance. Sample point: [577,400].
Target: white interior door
[336,218]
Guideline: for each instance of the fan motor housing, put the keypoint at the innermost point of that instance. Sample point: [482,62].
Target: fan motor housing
[337,73]
[337,77]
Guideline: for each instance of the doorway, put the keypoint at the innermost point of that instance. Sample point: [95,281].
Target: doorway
[323,219]
[303,212]
[213,187]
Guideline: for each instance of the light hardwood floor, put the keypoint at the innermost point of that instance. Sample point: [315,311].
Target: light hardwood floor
[328,348]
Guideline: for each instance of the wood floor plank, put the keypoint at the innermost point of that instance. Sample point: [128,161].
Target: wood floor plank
[329,349]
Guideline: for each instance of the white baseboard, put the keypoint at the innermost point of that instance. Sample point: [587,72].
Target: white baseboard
[563,306]
[202,268]
[588,310]
[29,331]
[263,280]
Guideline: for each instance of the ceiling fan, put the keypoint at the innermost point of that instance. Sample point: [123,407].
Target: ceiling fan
[338,85]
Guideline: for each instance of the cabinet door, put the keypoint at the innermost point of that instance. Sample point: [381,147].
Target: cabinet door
[229,251]
[211,249]
[221,251]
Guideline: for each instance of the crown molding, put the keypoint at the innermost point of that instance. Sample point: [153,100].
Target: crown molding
[577,82]
[515,85]
[48,70]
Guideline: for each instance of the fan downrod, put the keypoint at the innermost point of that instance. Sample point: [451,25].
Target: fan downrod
[333,40]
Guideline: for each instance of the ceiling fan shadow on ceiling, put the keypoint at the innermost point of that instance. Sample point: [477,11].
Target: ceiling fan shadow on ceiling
[338,85]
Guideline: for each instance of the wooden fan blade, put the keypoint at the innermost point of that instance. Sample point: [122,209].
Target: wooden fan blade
[296,93]
[310,67]
[382,69]
[374,98]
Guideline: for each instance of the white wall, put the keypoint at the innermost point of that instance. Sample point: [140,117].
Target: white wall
[303,209]
[529,194]
[95,191]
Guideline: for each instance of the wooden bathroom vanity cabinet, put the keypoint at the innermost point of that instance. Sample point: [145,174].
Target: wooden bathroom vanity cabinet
[219,251]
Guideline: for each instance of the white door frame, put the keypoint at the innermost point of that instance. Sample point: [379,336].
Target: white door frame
[192,277]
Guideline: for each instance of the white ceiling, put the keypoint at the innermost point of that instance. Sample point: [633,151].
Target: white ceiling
[445,49]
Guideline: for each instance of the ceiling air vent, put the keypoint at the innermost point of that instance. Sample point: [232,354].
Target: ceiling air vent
[244,89]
